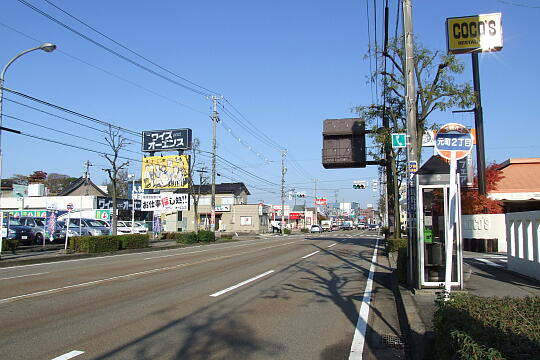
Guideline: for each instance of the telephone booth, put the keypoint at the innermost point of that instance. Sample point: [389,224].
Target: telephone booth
[433,210]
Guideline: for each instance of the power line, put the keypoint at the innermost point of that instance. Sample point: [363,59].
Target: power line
[125,58]
[128,49]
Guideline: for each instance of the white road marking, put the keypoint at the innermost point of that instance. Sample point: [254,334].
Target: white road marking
[488,262]
[241,284]
[193,252]
[495,257]
[111,256]
[359,338]
[151,271]
[334,244]
[69,355]
[308,255]
[20,276]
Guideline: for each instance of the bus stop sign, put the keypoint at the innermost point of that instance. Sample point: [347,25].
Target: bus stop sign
[455,138]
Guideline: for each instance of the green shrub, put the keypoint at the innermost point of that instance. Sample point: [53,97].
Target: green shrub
[10,244]
[133,241]
[227,237]
[185,237]
[94,244]
[474,327]
[304,230]
[287,231]
[395,244]
[206,236]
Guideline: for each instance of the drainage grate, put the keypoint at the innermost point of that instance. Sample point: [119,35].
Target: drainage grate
[392,341]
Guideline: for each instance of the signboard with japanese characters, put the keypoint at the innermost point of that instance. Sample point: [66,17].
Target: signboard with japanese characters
[453,138]
[223,208]
[165,201]
[320,201]
[165,172]
[104,203]
[166,140]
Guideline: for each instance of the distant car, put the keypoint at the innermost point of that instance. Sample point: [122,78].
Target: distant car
[373,226]
[124,227]
[362,226]
[316,229]
[90,226]
[335,227]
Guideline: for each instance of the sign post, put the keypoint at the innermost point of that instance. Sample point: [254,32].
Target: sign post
[69,209]
[453,142]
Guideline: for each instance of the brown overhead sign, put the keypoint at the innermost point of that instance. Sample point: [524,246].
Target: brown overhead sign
[480,33]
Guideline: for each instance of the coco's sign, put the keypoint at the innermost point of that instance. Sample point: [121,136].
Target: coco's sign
[480,33]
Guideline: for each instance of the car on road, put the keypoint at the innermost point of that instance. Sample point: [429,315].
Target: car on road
[373,226]
[316,229]
[335,227]
[347,225]
[362,226]
[16,230]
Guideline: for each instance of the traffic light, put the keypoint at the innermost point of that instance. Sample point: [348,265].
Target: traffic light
[359,185]
[300,195]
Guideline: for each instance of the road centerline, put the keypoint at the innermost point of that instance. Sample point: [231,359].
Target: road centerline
[329,246]
[245,282]
[20,276]
[69,355]
[308,255]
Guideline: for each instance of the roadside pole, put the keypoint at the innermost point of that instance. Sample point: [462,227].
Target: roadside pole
[67,228]
[1,231]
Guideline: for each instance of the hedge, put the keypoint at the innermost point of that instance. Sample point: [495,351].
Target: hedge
[10,244]
[207,236]
[133,241]
[474,327]
[108,243]
[304,230]
[395,244]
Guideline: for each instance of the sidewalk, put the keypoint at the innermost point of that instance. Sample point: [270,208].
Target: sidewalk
[481,278]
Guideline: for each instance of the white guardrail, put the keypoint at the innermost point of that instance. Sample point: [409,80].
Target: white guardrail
[523,237]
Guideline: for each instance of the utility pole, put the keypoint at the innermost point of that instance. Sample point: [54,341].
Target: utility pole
[412,136]
[283,172]
[315,198]
[87,165]
[215,120]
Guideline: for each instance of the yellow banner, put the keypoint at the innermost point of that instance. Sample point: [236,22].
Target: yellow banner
[165,172]
[481,33]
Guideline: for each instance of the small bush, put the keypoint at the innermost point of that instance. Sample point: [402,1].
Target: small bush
[225,237]
[287,231]
[185,237]
[206,236]
[474,327]
[10,244]
[304,230]
[94,244]
[395,244]
[133,241]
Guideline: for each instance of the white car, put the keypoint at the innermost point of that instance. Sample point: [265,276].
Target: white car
[316,229]
[124,227]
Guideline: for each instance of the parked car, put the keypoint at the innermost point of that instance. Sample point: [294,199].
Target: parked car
[124,227]
[326,225]
[91,227]
[36,225]
[362,226]
[17,231]
[60,232]
[347,225]
[316,229]
[335,227]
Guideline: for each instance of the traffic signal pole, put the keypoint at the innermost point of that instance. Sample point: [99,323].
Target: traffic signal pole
[479,124]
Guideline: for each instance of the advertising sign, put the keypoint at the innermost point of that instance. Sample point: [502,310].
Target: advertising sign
[165,172]
[223,208]
[296,216]
[166,140]
[321,201]
[103,215]
[165,201]
[480,33]
[31,213]
[135,192]
[245,220]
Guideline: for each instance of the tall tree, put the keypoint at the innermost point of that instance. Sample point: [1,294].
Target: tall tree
[472,202]
[437,90]
[56,183]
[116,142]
[122,182]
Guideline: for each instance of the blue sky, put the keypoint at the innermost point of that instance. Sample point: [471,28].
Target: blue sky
[285,65]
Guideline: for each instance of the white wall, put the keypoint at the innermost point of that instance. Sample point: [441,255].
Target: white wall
[523,234]
[485,226]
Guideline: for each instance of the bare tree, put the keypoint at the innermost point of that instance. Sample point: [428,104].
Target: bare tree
[196,166]
[116,142]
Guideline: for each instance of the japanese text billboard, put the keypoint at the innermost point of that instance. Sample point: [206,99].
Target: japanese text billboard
[166,140]
[165,201]
[165,172]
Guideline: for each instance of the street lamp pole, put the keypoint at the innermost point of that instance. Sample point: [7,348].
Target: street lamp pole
[47,47]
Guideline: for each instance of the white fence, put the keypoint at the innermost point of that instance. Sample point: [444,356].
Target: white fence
[523,237]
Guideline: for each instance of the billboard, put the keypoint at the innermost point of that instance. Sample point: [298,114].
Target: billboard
[166,140]
[474,33]
[165,172]
[165,201]
[320,201]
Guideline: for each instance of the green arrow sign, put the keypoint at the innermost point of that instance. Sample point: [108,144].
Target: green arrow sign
[399,140]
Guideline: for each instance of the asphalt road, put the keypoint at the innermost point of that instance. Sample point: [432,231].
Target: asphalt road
[293,297]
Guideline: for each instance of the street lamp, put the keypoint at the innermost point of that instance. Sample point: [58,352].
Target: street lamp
[132,176]
[47,47]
